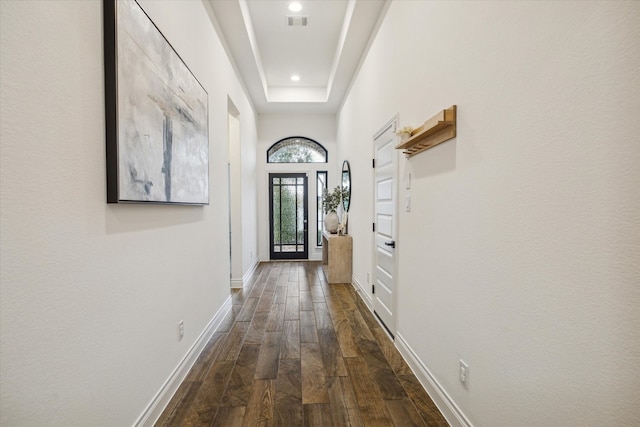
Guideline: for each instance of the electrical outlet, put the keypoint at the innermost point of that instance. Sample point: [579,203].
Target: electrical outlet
[464,374]
[180,329]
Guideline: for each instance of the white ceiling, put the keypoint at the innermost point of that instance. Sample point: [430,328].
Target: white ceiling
[325,53]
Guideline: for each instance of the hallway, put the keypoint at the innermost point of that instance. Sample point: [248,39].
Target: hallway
[297,351]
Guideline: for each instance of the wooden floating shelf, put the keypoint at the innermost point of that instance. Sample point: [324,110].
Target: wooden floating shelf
[436,130]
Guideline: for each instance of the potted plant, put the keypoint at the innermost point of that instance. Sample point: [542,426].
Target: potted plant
[330,202]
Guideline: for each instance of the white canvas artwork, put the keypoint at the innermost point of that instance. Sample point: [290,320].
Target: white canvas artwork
[162,117]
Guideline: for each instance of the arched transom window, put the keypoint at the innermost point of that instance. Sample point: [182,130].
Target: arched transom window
[296,149]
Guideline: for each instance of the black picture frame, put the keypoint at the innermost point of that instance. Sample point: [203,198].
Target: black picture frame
[156,114]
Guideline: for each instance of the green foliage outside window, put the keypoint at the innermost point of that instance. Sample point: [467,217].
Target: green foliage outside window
[292,154]
[285,209]
[296,150]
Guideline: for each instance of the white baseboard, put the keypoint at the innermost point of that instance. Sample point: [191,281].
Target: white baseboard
[239,283]
[170,386]
[365,295]
[452,413]
[315,254]
[249,272]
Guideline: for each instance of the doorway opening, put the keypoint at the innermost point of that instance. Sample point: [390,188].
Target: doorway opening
[235,189]
[288,214]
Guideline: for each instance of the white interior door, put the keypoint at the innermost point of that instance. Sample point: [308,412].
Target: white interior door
[385,193]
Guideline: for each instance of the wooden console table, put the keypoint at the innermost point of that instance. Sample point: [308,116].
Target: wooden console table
[336,257]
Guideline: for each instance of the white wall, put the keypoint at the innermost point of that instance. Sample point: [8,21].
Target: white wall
[91,293]
[235,201]
[243,197]
[271,129]
[521,252]
[249,175]
[249,196]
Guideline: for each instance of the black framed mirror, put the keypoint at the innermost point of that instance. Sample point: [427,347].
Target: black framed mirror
[346,185]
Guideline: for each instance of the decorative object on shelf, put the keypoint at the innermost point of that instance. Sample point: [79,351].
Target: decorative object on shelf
[330,202]
[332,222]
[436,130]
[404,133]
[342,228]
[156,114]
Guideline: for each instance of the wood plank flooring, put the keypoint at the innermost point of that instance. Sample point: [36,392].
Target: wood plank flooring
[296,351]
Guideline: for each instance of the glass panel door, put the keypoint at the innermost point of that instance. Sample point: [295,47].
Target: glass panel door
[288,233]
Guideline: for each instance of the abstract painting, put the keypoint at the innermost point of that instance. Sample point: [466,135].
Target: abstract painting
[156,114]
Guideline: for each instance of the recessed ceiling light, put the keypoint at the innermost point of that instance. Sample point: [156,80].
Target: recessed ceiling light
[294,6]
[295,78]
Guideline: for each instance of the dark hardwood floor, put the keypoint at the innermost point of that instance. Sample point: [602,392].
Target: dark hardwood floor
[296,351]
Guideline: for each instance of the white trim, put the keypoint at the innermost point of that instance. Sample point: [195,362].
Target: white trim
[364,295]
[160,401]
[250,271]
[368,301]
[315,254]
[452,413]
[247,275]
[239,283]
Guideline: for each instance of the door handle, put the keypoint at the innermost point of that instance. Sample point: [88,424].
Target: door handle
[391,243]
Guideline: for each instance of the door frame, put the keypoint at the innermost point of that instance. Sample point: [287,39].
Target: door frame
[234,181]
[289,255]
[389,329]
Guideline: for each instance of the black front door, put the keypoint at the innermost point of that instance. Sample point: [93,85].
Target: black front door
[288,235]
